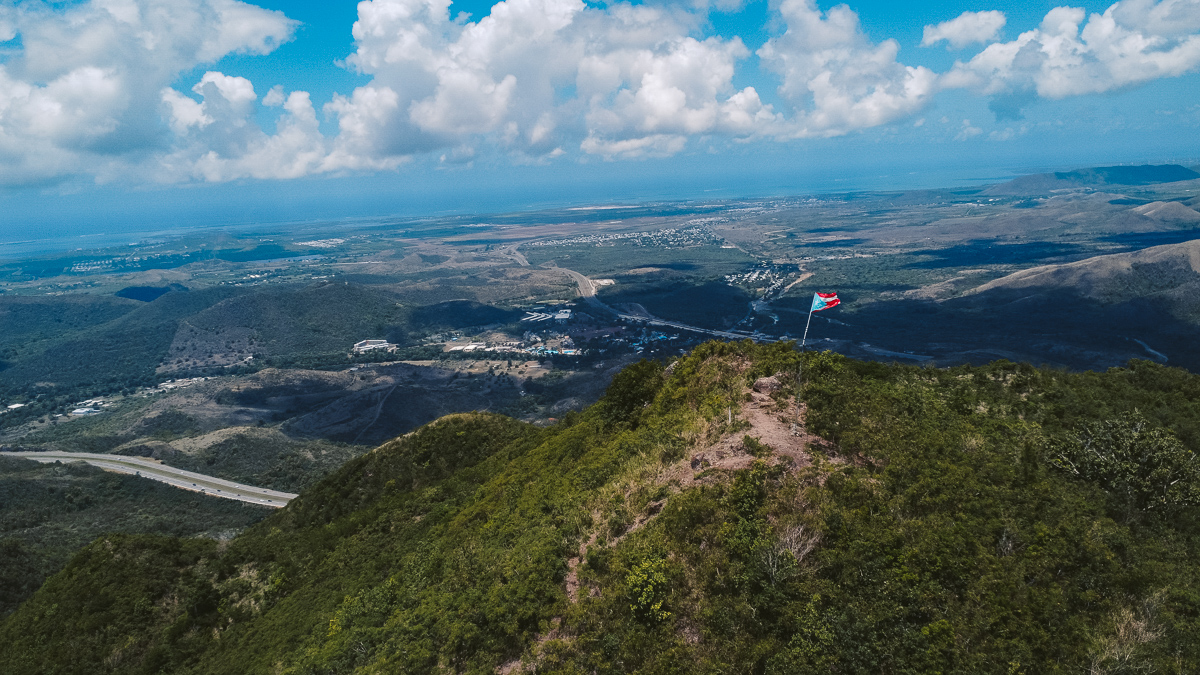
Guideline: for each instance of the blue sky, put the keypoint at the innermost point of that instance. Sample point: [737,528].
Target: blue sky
[134,114]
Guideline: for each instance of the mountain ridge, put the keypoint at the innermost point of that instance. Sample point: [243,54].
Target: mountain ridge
[1043,183]
[927,525]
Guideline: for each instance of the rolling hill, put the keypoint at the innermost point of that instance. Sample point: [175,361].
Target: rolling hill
[1168,212]
[1167,275]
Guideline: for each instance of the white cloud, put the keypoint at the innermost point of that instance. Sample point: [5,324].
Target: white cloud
[1008,133]
[836,77]
[1130,43]
[91,88]
[184,112]
[244,28]
[237,91]
[657,145]
[7,30]
[296,149]
[633,77]
[967,28]
[84,93]
[967,131]
[218,139]
[274,97]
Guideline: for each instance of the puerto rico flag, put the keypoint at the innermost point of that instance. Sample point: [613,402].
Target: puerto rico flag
[824,301]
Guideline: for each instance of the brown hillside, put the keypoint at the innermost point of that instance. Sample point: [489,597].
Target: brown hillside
[1169,212]
[1170,274]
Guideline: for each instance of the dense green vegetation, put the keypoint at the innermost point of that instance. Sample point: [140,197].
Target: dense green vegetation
[1129,175]
[948,525]
[49,511]
[55,352]
[73,348]
[462,314]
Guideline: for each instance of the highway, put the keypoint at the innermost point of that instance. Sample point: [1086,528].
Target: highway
[586,288]
[512,252]
[188,480]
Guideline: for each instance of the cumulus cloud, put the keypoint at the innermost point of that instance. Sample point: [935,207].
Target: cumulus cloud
[84,93]
[91,88]
[217,138]
[967,28]
[836,77]
[538,76]
[1071,53]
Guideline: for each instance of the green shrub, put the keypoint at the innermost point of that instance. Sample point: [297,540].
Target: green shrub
[1143,467]
[647,587]
[755,447]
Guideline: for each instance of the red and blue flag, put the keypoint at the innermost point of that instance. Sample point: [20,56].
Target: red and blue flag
[824,301]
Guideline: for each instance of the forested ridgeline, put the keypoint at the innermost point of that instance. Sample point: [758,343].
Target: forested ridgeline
[996,519]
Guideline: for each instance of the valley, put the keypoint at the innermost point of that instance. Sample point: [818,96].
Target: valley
[231,353]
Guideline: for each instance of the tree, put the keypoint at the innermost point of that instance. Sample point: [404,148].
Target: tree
[1145,468]
[632,390]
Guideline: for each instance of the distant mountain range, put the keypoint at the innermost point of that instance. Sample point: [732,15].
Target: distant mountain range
[1148,174]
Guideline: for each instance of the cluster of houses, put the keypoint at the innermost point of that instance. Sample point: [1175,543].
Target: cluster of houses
[92,406]
[535,350]
[95,406]
[670,237]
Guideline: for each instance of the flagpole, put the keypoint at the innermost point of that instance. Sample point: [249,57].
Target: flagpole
[806,324]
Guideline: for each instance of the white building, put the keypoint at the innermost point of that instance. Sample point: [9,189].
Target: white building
[370,345]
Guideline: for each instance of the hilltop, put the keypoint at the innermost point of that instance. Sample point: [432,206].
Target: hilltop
[745,509]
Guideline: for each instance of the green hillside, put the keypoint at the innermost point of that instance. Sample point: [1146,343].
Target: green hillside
[293,321]
[95,342]
[49,511]
[996,519]
[59,350]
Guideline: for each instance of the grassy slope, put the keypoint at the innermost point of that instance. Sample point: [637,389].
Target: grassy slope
[47,512]
[946,543]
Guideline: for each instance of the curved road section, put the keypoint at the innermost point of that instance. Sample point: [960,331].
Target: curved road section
[188,480]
